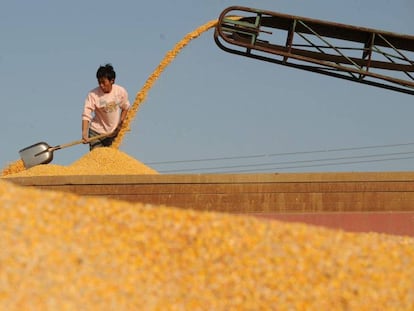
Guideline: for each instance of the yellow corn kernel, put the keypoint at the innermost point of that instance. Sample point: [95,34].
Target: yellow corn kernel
[65,252]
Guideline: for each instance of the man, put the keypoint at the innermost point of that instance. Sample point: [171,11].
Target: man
[106,107]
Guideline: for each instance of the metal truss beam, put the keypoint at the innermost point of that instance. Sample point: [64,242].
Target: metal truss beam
[369,56]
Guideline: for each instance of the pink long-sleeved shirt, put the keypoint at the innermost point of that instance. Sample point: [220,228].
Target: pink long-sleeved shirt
[103,110]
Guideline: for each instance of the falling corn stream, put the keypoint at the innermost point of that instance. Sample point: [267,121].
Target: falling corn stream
[60,251]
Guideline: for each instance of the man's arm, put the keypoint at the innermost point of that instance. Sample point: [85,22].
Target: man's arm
[123,116]
[85,130]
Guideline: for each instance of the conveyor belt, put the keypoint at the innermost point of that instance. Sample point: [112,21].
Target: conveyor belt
[374,57]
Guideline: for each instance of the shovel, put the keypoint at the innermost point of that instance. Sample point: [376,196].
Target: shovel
[42,153]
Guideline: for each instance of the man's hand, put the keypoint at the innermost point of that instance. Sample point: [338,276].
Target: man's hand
[116,131]
[85,139]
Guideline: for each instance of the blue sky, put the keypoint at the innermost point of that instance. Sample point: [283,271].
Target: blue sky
[210,111]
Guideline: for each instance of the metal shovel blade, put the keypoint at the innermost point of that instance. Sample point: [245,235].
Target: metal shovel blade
[42,153]
[36,154]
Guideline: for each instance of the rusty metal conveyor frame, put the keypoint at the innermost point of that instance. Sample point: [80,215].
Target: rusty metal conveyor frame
[358,54]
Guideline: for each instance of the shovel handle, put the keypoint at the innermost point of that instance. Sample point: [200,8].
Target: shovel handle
[76,142]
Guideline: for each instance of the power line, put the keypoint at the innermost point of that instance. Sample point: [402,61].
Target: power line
[298,162]
[279,154]
[319,165]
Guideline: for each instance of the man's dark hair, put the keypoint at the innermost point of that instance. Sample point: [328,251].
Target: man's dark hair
[106,71]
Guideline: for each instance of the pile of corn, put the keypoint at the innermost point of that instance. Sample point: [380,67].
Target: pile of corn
[13,168]
[65,252]
[100,161]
